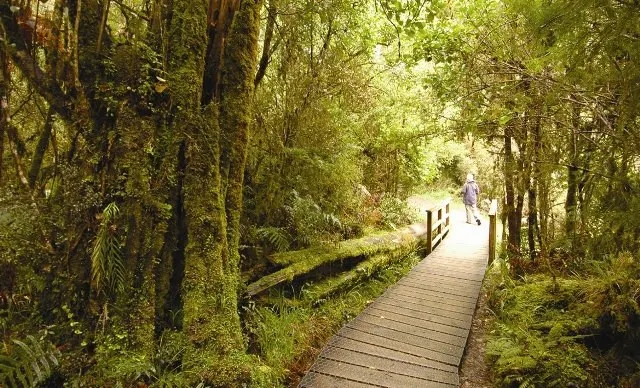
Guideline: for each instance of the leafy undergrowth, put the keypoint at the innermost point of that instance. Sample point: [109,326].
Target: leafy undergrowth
[571,330]
[287,339]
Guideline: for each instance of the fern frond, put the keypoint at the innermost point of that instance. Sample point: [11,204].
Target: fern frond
[107,263]
[28,365]
[277,238]
[332,220]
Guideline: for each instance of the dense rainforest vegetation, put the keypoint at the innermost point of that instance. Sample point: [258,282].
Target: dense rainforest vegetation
[157,155]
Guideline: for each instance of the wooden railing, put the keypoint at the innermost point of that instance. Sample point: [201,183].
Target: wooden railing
[438,224]
[493,210]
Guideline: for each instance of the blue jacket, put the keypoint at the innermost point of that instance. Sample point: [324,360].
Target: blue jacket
[470,192]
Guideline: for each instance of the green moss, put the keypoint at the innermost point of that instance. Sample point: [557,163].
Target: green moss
[368,245]
[209,290]
[236,114]
[320,291]
[305,261]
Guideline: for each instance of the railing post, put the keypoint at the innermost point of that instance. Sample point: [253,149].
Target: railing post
[448,216]
[429,230]
[492,231]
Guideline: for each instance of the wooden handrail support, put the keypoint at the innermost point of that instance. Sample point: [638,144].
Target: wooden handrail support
[438,220]
[493,210]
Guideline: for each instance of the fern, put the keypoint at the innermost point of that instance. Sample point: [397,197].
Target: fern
[277,238]
[29,364]
[332,221]
[107,263]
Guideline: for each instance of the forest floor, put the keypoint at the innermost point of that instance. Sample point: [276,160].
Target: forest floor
[474,371]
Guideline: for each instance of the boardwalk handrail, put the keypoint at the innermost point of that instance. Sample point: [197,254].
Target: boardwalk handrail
[493,210]
[440,224]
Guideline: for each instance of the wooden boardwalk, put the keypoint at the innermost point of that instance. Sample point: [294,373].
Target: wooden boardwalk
[413,335]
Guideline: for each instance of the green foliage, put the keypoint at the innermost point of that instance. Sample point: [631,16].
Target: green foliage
[278,335]
[120,365]
[28,363]
[107,262]
[304,223]
[614,293]
[536,338]
[277,238]
[396,213]
[560,332]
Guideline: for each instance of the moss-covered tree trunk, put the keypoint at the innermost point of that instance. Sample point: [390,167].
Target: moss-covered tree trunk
[210,285]
[240,68]
[5,80]
[158,157]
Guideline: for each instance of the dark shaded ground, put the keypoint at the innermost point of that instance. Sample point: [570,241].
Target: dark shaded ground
[474,371]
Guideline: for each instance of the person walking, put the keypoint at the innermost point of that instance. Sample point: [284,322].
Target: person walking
[470,192]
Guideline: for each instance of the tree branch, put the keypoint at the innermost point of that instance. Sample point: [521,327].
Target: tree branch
[17,48]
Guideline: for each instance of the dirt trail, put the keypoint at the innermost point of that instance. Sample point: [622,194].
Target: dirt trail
[474,371]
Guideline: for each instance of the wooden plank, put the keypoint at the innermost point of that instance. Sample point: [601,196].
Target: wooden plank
[460,257]
[436,240]
[429,297]
[450,274]
[478,277]
[388,365]
[384,342]
[427,316]
[475,261]
[438,267]
[321,380]
[446,342]
[435,308]
[429,231]
[460,292]
[419,275]
[452,300]
[454,267]
[392,354]
[373,376]
[415,333]
[419,322]
[416,322]
[390,333]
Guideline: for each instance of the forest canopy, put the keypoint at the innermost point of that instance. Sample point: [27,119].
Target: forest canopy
[155,154]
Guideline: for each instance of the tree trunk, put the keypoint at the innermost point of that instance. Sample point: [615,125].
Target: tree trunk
[513,238]
[210,285]
[220,14]
[5,80]
[533,229]
[236,114]
[571,205]
[266,47]
[41,148]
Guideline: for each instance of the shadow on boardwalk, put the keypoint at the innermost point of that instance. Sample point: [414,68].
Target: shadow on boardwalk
[413,335]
